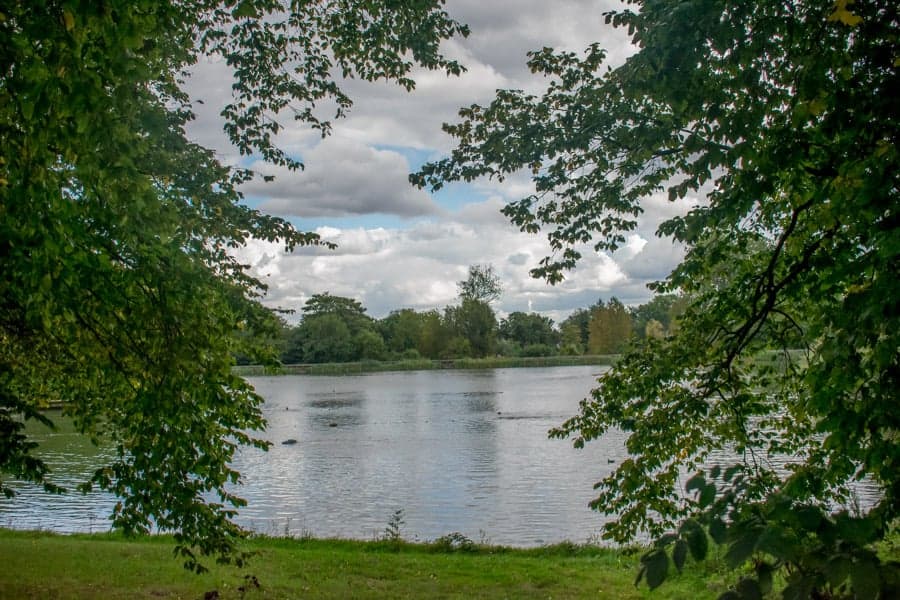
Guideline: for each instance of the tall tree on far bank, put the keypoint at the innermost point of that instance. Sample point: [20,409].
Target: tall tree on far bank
[482,284]
[529,329]
[119,292]
[473,321]
[784,115]
[609,328]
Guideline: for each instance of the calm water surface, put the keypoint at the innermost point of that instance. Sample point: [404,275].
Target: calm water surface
[456,451]
[462,451]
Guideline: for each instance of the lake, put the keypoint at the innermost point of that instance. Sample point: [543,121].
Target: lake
[456,451]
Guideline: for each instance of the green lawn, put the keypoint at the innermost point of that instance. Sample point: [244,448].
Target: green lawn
[44,565]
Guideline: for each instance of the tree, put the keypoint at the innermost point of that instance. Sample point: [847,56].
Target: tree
[529,328]
[434,335]
[326,338]
[574,332]
[784,115]
[660,308]
[402,329]
[334,329]
[474,322]
[610,328]
[118,290]
[351,311]
[654,329]
[482,284]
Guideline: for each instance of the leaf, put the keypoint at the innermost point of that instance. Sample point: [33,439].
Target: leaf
[748,589]
[843,15]
[679,554]
[866,580]
[837,570]
[657,566]
[665,540]
[707,495]
[731,471]
[698,543]
[809,517]
[244,10]
[68,20]
[718,530]
[764,572]
[740,551]
[696,482]
[730,595]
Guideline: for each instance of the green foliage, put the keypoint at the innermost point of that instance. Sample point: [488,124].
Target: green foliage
[575,331]
[119,295]
[784,116]
[529,329]
[434,335]
[333,329]
[660,309]
[402,329]
[351,312]
[473,322]
[482,284]
[609,328]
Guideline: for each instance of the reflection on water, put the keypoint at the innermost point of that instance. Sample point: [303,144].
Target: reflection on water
[459,451]
[72,459]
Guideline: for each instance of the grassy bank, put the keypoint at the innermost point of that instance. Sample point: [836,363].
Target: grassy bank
[44,565]
[424,364]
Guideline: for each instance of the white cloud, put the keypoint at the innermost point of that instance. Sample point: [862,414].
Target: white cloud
[358,172]
[342,177]
[419,267]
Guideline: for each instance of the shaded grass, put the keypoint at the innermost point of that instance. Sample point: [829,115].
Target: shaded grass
[45,565]
[424,364]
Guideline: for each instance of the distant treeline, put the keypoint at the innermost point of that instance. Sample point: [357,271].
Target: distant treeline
[334,329]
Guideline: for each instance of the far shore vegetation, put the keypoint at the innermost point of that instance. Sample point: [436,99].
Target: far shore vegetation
[426,364]
[467,334]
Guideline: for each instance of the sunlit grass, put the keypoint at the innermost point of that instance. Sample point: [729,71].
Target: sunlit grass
[44,565]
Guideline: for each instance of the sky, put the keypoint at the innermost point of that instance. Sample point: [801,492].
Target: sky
[402,247]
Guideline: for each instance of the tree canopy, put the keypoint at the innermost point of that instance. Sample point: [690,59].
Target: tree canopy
[782,117]
[482,284]
[119,295]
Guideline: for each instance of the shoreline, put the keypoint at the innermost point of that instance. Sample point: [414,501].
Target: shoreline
[374,366]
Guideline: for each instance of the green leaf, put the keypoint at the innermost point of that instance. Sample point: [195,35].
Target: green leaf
[837,570]
[657,567]
[731,471]
[698,543]
[245,10]
[679,554]
[740,550]
[809,517]
[866,580]
[707,495]
[718,530]
[68,20]
[697,482]
[748,589]
[764,572]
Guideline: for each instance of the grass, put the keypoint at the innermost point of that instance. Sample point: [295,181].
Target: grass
[424,364]
[45,565]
